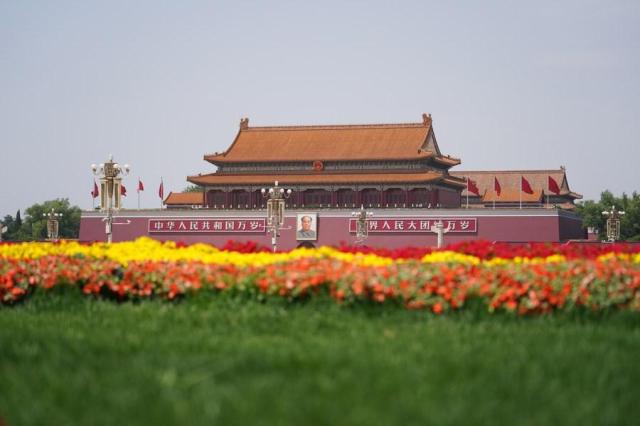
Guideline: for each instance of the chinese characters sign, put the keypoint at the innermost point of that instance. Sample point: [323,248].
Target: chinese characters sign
[208,226]
[408,225]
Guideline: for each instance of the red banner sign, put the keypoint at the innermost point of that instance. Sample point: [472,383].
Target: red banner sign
[208,226]
[409,225]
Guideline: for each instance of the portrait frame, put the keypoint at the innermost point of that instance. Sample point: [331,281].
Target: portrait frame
[311,234]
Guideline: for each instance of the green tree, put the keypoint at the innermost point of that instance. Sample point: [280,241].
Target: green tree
[591,213]
[34,225]
[192,188]
[14,228]
[10,223]
[630,225]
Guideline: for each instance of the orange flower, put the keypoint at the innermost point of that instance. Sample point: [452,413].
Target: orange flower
[415,304]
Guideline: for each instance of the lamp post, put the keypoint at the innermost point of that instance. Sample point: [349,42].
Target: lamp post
[275,210]
[109,174]
[613,223]
[53,222]
[362,222]
[439,230]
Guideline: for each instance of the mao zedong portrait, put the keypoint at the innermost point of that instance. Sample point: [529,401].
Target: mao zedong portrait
[306,229]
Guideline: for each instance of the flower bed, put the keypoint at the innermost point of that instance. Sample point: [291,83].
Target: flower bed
[522,279]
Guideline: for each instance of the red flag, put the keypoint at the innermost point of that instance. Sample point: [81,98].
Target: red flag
[525,186]
[496,186]
[553,186]
[140,185]
[471,187]
[161,190]
[123,190]
[96,192]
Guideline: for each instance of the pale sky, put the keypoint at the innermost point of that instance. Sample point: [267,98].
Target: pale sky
[158,84]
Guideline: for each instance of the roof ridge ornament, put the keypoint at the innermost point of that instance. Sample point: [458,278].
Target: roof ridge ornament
[426,119]
[244,123]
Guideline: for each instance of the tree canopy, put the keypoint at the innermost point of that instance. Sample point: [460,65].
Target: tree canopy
[34,226]
[193,188]
[591,213]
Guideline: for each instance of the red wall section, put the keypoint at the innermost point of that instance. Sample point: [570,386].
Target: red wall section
[449,199]
[333,227]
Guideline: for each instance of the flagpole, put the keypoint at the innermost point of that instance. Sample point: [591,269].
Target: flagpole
[138,192]
[467,192]
[93,196]
[520,192]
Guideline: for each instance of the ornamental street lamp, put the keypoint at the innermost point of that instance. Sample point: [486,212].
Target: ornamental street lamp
[362,224]
[53,221]
[275,210]
[439,230]
[110,179]
[613,223]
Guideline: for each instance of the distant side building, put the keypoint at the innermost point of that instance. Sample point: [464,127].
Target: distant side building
[549,188]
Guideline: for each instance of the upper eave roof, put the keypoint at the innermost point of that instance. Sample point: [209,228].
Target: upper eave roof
[403,141]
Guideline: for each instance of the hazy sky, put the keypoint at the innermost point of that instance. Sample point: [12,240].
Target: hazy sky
[510,85]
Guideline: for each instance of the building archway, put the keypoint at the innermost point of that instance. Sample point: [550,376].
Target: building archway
[419,197]
[395,197]
[240,199]
[370,197]
[347,197]
[317,198]
[217,199]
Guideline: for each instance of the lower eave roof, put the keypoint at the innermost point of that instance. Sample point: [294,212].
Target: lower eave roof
[187,198]
[320,178]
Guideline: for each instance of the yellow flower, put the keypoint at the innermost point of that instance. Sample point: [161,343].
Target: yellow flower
[450,257]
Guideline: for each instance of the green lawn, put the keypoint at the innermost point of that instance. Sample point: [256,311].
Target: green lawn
[67,359]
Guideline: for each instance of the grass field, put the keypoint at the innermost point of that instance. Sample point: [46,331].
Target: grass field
[67,359]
